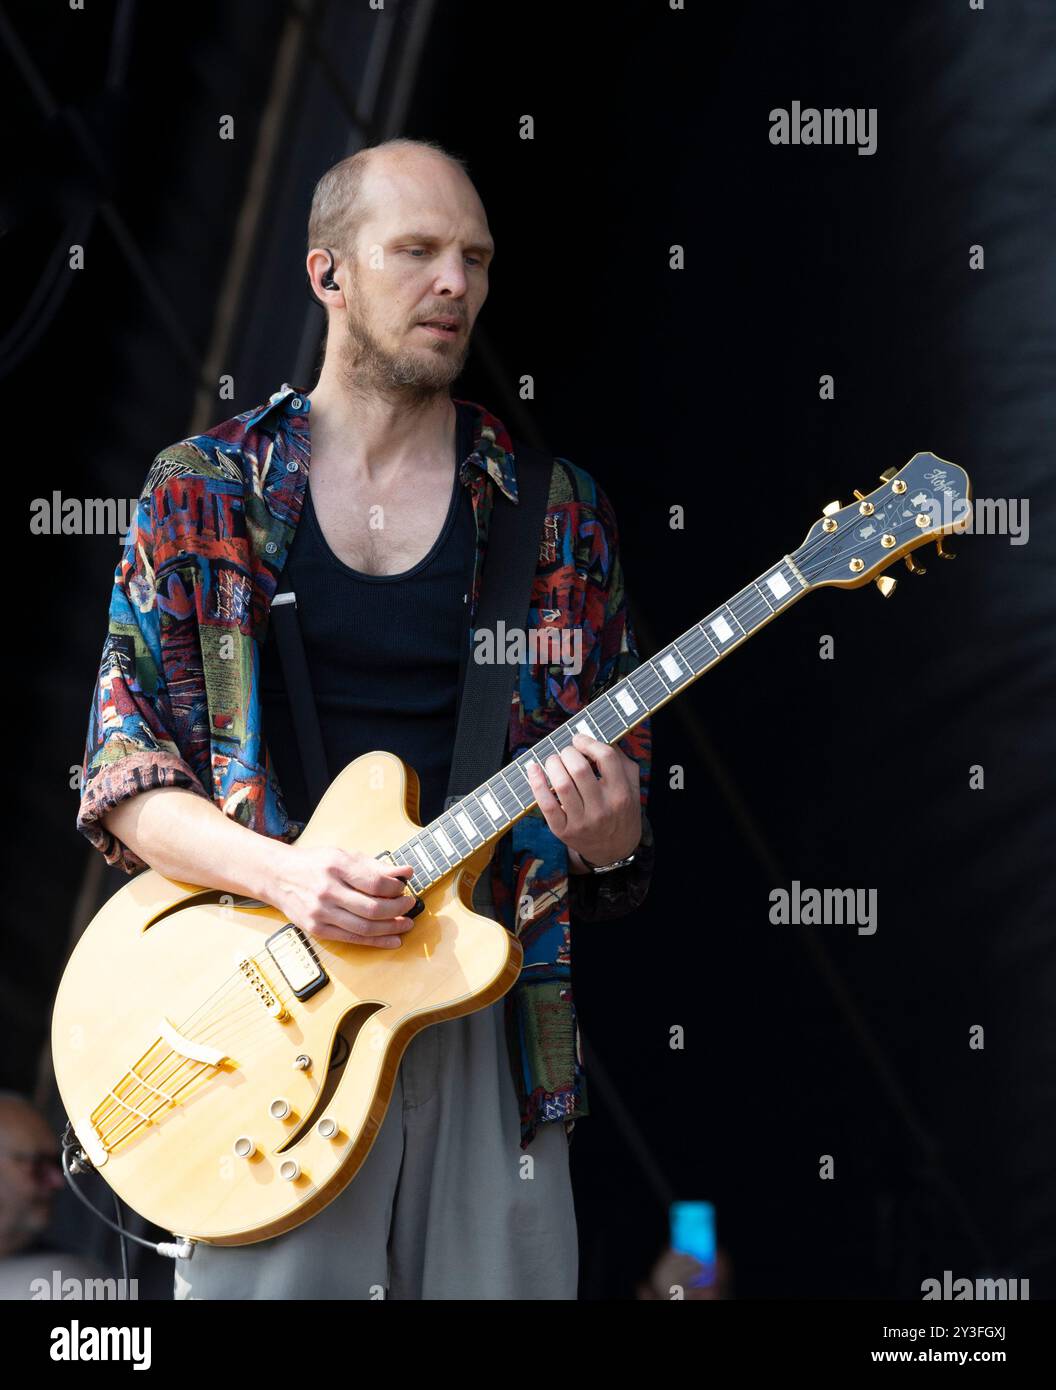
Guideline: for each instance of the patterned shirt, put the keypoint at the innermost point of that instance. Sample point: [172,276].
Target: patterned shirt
[177,700]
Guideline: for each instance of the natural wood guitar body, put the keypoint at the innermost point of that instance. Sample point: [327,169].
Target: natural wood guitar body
[167,969]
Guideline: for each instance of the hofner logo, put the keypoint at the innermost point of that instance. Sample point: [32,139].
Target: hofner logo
[1014,1290]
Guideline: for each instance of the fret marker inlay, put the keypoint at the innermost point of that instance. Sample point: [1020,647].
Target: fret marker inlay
[722,629]
[627,703]
[778,585]
[671,667]
[423,854]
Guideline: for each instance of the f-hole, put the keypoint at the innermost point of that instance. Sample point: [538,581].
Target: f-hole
[348,1030]
[207,897]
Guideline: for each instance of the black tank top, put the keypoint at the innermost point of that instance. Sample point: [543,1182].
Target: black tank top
[382,651]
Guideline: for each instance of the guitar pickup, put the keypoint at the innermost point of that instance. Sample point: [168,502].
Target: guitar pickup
[298,964]
[419,906]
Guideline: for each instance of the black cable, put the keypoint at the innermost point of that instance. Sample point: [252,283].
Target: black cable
[173,1250]
[93,1208]
[122,1242]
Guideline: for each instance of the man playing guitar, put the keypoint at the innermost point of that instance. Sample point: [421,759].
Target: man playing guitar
[192,764]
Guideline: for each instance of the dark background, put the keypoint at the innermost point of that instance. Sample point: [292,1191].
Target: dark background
[697,387]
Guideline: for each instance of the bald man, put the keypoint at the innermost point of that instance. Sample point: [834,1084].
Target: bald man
[466,1192]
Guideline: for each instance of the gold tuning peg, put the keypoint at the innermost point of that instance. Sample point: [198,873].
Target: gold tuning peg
[888,474]
[944,554]
[859,495]
[829,508]
[887,585]
[913,567]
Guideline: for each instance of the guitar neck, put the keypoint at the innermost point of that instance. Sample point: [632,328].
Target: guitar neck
[489,811]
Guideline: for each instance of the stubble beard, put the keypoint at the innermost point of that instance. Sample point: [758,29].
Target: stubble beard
[415,377]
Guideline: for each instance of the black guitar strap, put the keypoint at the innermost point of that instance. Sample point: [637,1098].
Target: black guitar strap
[299,690]
[485,690]
[514,534]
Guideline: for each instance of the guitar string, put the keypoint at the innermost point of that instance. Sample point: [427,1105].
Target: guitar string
[109,1140]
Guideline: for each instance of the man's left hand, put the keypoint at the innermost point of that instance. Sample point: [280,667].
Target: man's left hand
[596,815]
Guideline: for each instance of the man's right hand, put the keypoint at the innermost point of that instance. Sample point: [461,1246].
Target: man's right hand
[321,889]
[342,897]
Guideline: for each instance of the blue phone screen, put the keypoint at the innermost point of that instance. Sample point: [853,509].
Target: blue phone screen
[693,1233]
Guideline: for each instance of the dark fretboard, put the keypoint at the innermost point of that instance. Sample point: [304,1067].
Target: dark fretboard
[492,808]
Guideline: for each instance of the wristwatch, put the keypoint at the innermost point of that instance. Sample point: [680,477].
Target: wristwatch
[607,868]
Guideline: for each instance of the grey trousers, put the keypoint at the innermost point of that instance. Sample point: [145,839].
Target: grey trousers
[444,1206]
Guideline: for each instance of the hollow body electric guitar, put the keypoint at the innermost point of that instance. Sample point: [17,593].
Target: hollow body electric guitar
[226,1073]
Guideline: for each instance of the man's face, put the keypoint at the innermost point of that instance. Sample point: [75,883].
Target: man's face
[29,1172]
[417,280]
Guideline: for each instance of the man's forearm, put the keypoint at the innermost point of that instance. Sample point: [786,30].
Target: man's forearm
[189,839]
[332,893]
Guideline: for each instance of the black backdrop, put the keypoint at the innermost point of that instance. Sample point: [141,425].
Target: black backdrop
[696,387]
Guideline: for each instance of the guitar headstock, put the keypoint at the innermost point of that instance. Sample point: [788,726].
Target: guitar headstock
[848,546]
